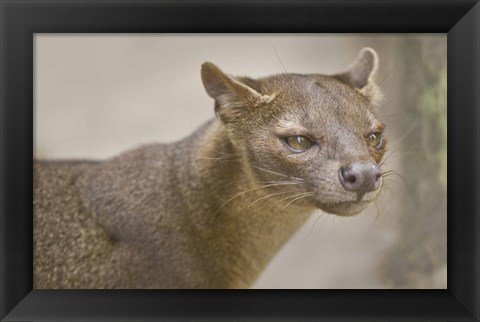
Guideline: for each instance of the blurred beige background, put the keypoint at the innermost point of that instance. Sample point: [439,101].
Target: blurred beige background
[98,95]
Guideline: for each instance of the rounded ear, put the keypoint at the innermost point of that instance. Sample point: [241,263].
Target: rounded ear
[360,75]
[214,80]
[362,70]
[231,95]
[217,83]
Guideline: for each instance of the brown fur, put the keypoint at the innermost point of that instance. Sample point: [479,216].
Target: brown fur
[211,210]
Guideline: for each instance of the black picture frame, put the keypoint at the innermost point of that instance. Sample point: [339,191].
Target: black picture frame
[21,19]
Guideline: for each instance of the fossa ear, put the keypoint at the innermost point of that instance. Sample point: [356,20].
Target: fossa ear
[232,95]
[360,74]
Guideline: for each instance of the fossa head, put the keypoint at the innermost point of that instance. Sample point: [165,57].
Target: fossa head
[317,136]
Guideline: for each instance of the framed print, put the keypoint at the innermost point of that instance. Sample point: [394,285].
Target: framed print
[107,94]
[97,90]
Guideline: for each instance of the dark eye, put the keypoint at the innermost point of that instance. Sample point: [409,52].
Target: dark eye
[374,140]
[298,143]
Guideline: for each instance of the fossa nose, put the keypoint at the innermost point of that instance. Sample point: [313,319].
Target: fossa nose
[360,177]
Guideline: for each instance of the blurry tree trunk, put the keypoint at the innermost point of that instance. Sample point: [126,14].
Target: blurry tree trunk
[418,259]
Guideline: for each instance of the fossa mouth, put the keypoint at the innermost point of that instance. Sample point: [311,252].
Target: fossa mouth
[344,208]
[348,207]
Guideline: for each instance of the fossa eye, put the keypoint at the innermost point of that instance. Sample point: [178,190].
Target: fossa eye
[375,140]
[298,143]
